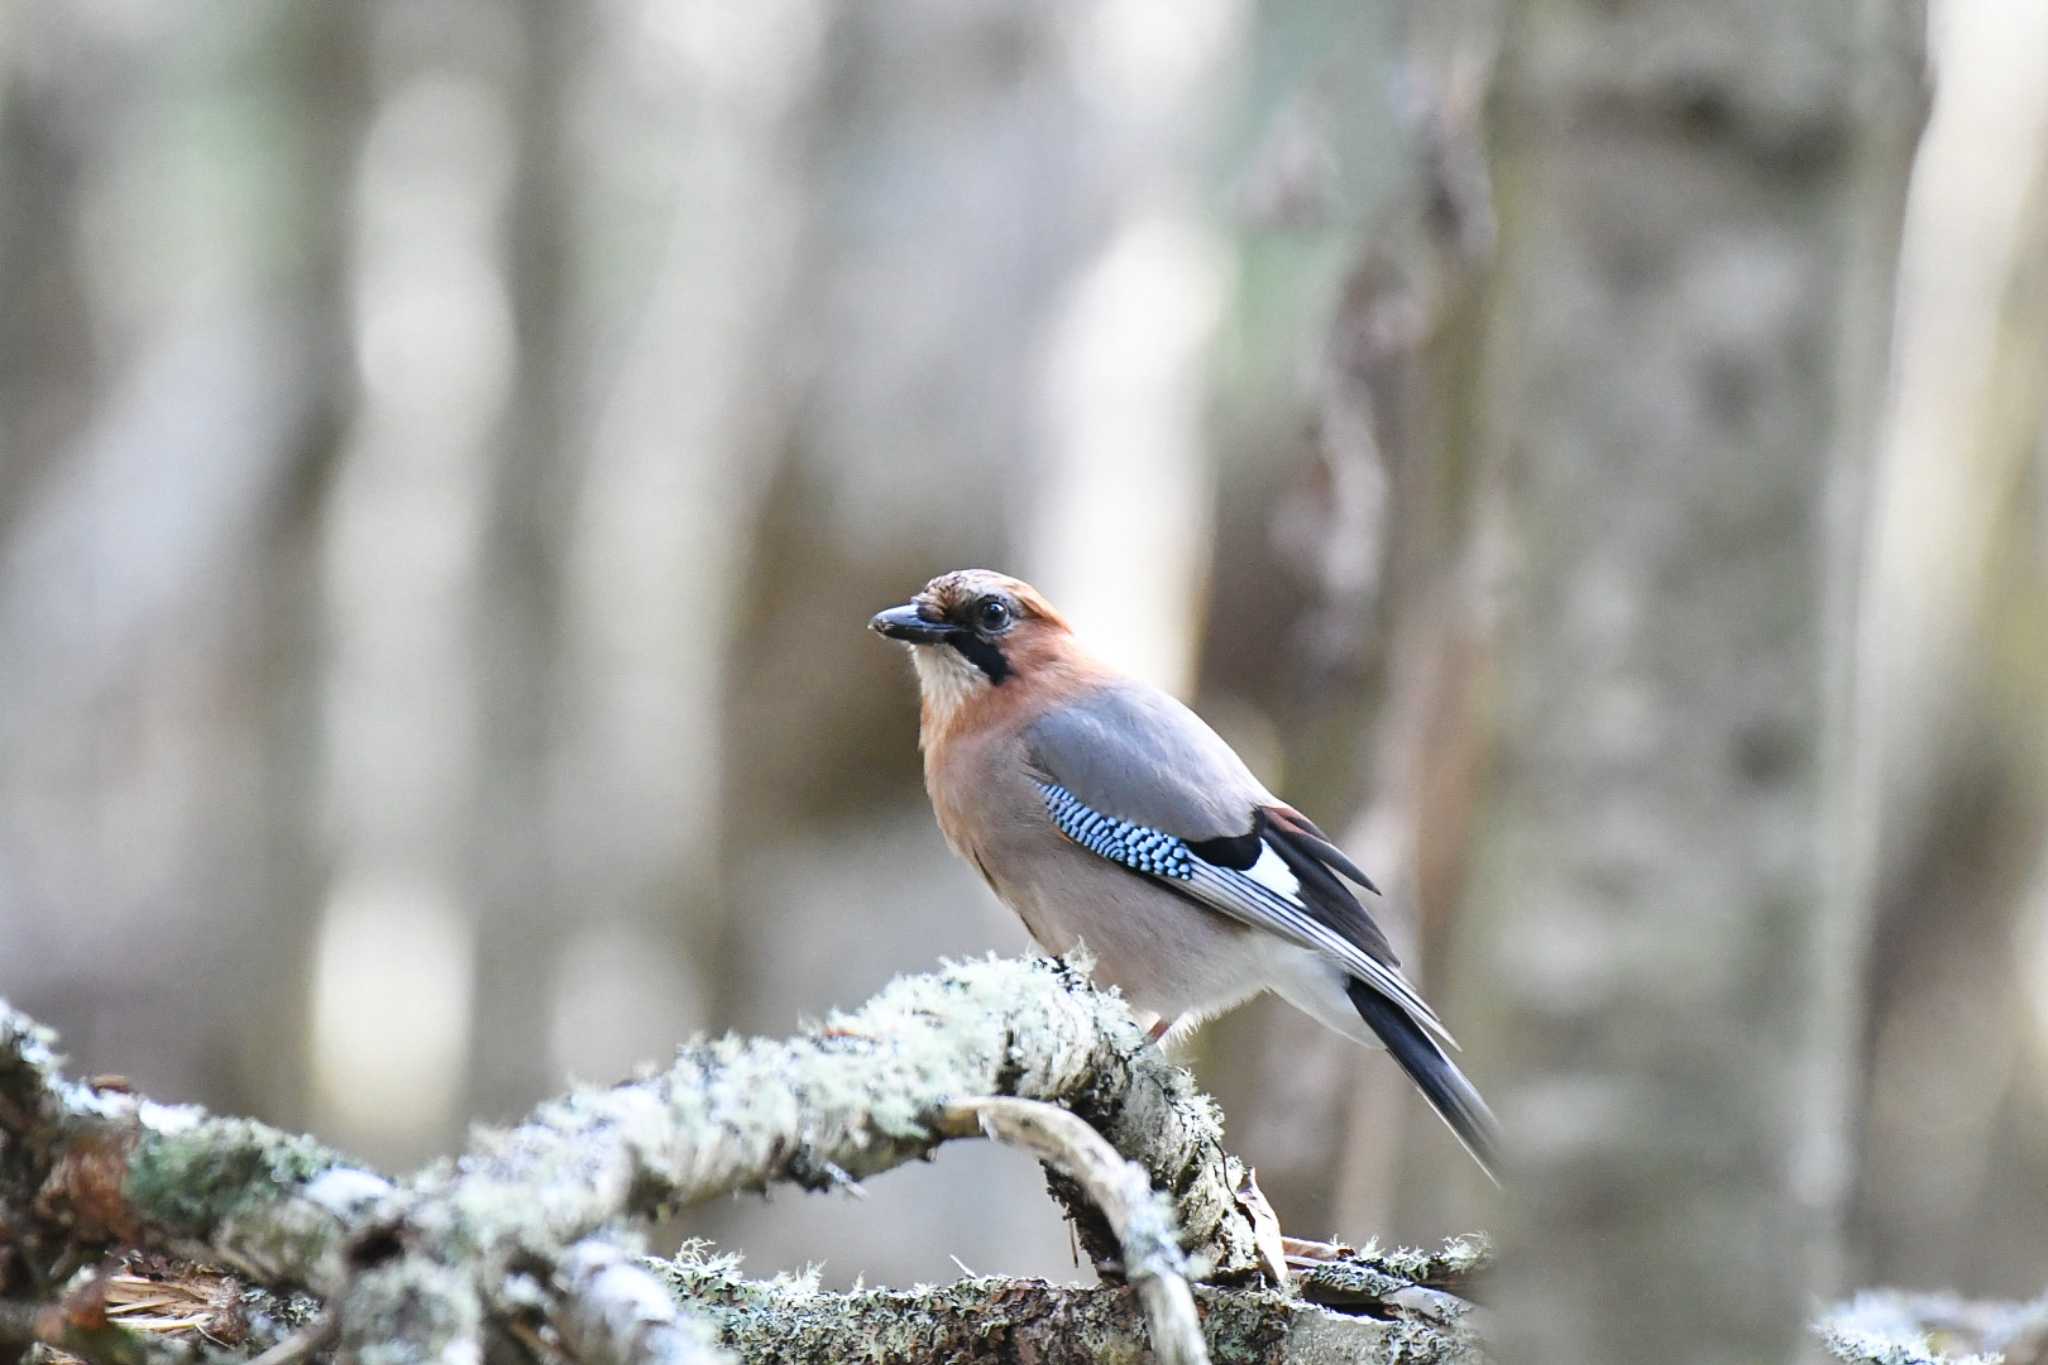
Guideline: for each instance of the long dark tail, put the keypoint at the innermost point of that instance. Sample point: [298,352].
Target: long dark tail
[1435,1074]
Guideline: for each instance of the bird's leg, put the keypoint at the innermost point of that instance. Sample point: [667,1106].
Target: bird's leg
[1159,1030]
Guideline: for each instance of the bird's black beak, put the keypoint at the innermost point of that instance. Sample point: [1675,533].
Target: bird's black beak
[906,624]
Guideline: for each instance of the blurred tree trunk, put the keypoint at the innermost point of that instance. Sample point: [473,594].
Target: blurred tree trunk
[323,74]
[1365,231]
[171,379]
[1406,328]
[1685,345]
[1327,249]
[518,619]
[408,603]
[671,439]
[1953,1189]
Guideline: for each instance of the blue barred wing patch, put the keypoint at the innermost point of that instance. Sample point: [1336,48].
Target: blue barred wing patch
[1135,846]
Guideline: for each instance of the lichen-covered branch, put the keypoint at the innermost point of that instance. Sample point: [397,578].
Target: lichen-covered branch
[618,1313]
[523,1246]
[852,1097]
[1342,1276]
[849,1098]
[434,1261]
[859,1094]
[987,1319]
[1149,1244]
[1891,1327]
[102,1166]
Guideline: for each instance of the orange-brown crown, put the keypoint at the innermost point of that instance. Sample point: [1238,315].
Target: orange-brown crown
[987,646]
[952,596]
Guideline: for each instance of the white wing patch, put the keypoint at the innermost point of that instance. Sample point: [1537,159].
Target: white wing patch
[1256,903]
[1272,872]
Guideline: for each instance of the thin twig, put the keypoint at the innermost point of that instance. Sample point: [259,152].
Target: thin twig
[1141,1217]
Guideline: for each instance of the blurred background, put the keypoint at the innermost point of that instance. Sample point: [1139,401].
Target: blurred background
[449,452]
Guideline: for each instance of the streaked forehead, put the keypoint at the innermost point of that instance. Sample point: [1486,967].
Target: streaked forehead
[965,585]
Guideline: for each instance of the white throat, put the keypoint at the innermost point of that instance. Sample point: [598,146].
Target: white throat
[946,678]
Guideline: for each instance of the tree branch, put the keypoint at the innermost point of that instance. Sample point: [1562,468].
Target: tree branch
[1899,1327]
[1152,1260]
[102,1166]
[853,1097]
[619,1313]
[497,1247]
[990,1319]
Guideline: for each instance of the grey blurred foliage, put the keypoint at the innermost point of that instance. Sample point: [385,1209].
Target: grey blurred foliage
[448,452]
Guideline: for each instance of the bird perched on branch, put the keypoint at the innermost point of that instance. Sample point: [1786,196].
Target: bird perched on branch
[1100,809]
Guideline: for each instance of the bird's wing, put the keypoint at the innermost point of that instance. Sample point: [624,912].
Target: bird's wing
[1132,776]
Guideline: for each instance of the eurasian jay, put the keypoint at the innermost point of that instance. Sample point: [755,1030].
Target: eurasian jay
[1100,809]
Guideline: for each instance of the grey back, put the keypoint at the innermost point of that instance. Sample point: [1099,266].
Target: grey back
[1133,751]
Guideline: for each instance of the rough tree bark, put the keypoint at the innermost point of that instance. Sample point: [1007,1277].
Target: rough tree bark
[525,1246]
[1685,340]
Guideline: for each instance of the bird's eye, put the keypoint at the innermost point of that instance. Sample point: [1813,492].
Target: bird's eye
[993,614]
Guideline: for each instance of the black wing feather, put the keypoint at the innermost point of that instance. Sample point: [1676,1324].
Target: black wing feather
[1328,899]
[1435,1075]
[1310,834]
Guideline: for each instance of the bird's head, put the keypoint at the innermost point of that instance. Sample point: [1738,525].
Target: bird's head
[972,630]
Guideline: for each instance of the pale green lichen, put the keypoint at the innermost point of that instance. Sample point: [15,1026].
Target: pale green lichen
[250,1196]
[194,1180]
